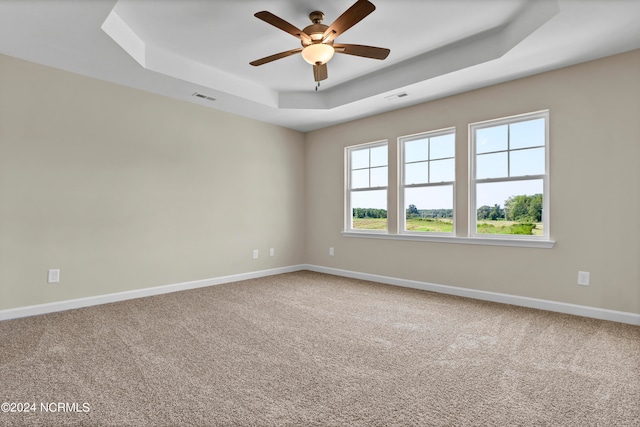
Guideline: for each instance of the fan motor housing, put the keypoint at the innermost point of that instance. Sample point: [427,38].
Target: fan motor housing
[315,30]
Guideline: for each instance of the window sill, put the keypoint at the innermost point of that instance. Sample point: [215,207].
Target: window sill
[490,241]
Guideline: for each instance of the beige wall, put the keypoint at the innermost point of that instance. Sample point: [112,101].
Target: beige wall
[123,190]
[595,190]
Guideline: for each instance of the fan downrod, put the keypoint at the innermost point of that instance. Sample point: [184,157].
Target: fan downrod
[316,17]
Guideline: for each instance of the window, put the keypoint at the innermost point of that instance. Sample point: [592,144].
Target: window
[427,182]
[506,184]
[509,177]
[367,180]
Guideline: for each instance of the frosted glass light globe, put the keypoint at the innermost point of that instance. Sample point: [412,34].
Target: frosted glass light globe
[318,52]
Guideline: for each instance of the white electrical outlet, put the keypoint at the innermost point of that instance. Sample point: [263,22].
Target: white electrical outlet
[272,252]
[255,254]
[53,276]
[583,278]
[331,252]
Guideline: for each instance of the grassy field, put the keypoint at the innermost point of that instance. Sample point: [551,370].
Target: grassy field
[508,227]
[370,223]
[445,225]
[442,225]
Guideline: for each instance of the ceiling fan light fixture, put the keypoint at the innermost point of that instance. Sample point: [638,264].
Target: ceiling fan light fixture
[318,39]
[318,53]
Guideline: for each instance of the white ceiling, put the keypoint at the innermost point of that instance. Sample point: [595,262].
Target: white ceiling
[438,48]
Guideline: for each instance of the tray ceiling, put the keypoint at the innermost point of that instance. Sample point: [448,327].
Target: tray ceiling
[438,48]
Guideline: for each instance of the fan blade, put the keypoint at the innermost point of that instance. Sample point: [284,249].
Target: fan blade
[356,13]
[360,50]
[320,72]
[278,22]
[274,57]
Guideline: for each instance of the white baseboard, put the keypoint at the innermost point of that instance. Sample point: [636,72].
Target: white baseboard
[32,310]
[560,307]
[578,310]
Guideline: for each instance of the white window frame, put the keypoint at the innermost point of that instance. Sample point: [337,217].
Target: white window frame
[402,216]
[544,114]
[348,219]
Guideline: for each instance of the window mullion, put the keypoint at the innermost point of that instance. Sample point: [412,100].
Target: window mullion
[369,168]
[509,150]
[356,190]
[429,184]
[507,179]
[428,159]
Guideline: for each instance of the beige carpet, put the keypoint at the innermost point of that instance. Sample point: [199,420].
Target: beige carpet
[309,349]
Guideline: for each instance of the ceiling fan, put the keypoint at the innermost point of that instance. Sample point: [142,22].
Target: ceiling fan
[317,39]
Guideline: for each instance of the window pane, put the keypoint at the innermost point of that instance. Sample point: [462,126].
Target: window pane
[527,162]
[360,159]
[416,173]
[379,156]
[491,165]
[506,207]
[442,171]
[491,139]
[369,210]
[429,209]
[498,192]
[360,178]
[416,150]
[442,146]
[379,177]
[527,134]
[437,197]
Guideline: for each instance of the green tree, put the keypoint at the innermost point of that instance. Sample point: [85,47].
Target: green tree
[524,208]
[483,212]
[413,212]
[535,208]
[490,213]
[496,213]
[369,213]
[518,207]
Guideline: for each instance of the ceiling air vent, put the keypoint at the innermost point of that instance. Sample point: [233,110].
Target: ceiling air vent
[203,96]
[396,96]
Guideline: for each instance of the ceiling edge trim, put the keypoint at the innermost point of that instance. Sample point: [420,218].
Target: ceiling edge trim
[125,37]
